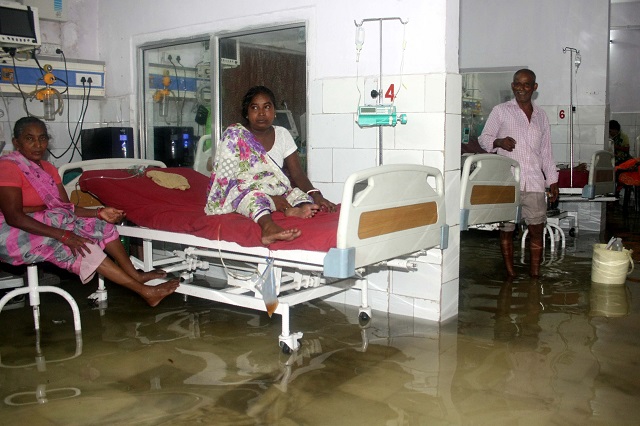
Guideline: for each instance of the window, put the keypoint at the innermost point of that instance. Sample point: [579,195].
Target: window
[273,57]
[178,105]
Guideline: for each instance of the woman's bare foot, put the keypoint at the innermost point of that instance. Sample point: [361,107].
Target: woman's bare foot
[305,211]
[271,232]
[154,294]
[144,277]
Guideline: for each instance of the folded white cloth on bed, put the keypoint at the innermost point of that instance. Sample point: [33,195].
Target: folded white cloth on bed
[169,180]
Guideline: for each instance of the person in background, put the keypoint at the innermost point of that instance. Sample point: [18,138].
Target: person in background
[39,224]
[520,130]
[620,143]
[247,175]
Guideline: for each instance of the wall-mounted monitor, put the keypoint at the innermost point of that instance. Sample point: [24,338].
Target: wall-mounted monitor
[19,26]
[284,118]
[229,52]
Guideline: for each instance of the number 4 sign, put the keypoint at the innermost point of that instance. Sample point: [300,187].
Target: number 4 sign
[390,93]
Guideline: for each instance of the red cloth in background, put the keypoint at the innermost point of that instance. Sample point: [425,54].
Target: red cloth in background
[580,178]
[150,205]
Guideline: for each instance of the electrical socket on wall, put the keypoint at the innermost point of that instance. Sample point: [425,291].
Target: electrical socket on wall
[96,79]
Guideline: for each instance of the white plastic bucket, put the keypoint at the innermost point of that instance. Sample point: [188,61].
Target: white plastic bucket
[609,266]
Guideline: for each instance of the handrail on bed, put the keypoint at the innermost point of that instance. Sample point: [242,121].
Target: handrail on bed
[200,162]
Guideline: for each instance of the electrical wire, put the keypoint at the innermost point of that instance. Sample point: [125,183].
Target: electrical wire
[404,47]
[15,74]
[175,72]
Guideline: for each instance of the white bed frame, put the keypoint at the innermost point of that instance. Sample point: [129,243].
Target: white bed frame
[489,190]
[389,215]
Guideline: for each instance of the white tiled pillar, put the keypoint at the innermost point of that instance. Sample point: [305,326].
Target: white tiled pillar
[430,137]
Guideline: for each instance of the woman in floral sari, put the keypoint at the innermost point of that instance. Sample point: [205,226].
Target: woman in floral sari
[247,176]
[38,223]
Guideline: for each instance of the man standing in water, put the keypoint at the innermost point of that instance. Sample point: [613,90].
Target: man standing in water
[518,129]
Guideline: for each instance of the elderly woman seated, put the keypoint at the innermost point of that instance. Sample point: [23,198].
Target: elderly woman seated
[38,223]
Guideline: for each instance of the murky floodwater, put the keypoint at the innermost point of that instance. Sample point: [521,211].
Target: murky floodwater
[558,350]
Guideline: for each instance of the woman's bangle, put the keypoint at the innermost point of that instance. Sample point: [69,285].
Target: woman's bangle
[311,191]
[65,237]
[98,210]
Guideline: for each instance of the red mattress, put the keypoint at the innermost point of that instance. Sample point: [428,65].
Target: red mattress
[150,205]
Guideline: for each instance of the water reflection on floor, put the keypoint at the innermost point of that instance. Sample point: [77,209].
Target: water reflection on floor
[558,350]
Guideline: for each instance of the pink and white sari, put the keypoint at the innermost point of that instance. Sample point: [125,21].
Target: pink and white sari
[18,247]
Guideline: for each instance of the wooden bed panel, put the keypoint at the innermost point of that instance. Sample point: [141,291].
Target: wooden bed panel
[387,221]
[492,194]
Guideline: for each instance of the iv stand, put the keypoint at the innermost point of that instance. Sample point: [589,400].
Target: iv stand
[571,51]
[379,20]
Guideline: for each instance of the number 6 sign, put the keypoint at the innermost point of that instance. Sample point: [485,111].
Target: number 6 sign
[561,114]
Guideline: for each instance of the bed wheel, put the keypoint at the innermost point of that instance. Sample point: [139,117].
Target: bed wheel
[572,232]
[285,348]
[364,318]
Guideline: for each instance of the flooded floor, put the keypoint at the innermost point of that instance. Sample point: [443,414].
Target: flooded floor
[558,350]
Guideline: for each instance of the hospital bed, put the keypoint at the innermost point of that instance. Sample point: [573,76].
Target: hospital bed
[388,216]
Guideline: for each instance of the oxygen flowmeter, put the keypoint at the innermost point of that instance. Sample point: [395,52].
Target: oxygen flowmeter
[379,115]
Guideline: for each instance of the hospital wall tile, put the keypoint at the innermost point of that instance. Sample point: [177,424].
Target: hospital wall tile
[331,131]
[449,299]
[452,197]
[552,113]
[378,300]
[433,255]
[434,93]
[402,156]
[378,279]
[589,114]
[409,90]
[339,95]
[400,305]
[426,309]
[422,131]
[585,152]
[315,96]
[331,191]
[388,137]
[422,283]
[561,153]
[559,133]
[453,93]
[364,137]
[451,256]
[320,164]
[591,134]
[452,144]
[434,159]
[348,161]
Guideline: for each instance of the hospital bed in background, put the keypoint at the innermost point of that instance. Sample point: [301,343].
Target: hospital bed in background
[389,215]
[600,180]
[597,184]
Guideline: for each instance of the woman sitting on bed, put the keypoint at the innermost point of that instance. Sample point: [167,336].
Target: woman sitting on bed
[247,175]
[38,223]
